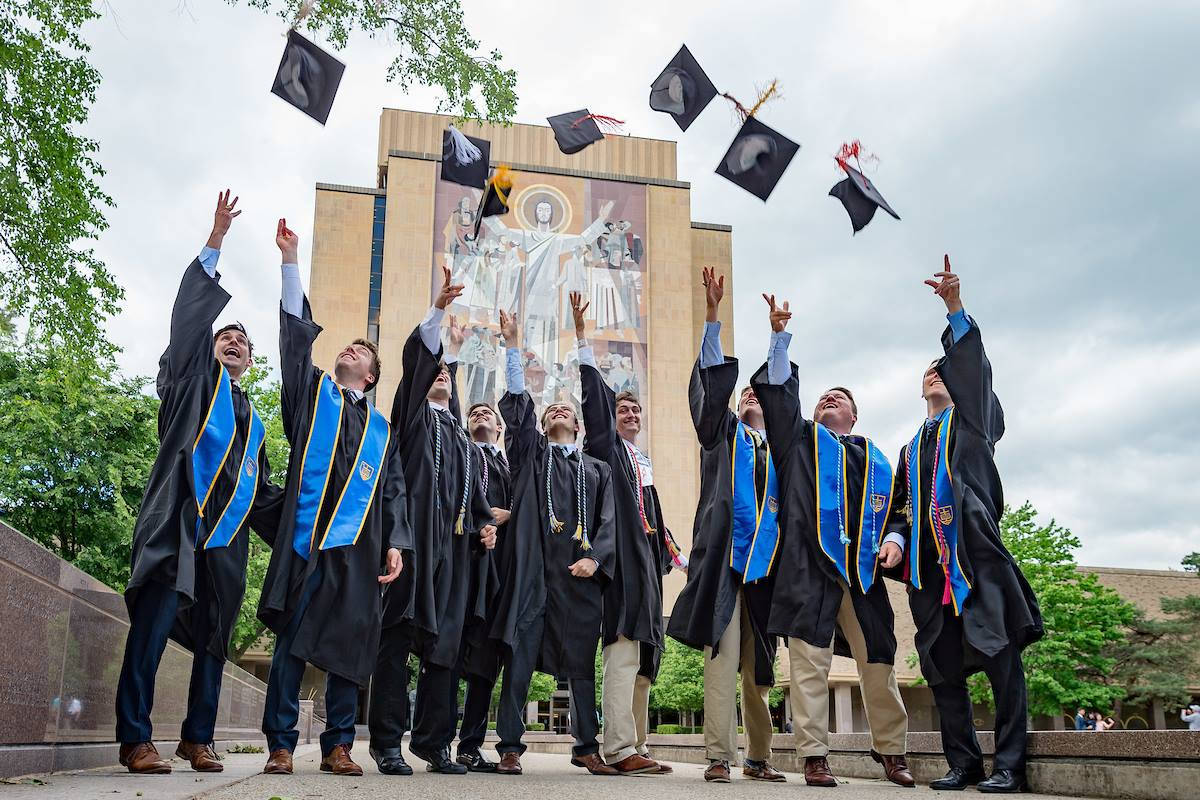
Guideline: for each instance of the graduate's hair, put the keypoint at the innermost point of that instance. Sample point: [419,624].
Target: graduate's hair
[546,410]
[236,326]
[848,393]
[627,396]
[488,406]
[376,364]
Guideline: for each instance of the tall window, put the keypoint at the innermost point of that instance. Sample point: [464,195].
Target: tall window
[373,298]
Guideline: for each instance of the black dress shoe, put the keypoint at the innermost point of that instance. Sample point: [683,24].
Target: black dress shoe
[474,761]
[1004,781]
[390,761]
[958,779]
[438,761]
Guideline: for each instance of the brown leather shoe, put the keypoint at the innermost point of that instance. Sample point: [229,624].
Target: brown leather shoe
[142,758]
[635,765]
[762,771]
[817,772]
[895,768]
[339,763]
[201,756]
[593,764]
[717,772]
[280,762]
[510,764]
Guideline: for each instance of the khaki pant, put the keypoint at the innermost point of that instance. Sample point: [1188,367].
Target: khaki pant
[810,691]
[626,701]
[720,693]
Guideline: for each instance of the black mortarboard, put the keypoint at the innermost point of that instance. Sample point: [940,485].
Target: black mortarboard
[465,158]
[308,77]
[757,158]
[575,130]
[495,196]
[860,197]
[682,90]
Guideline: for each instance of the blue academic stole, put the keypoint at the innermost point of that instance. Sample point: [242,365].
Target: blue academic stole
[833,511]
[210,452]
[942,514]
[755,529]
[346,522]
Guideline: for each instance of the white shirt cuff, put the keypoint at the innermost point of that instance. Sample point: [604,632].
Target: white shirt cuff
[895,539]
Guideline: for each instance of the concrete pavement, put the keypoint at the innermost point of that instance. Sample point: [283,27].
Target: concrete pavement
[546,776]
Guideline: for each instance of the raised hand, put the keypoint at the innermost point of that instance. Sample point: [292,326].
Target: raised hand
[578,307]
[779,316]
[509,329]
[449,291]
[947,288]
[288,243]
[457,334]
[222,218]
[395,563]
[714,291]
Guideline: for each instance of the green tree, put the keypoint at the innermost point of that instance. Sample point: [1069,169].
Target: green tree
[49,195]
[1070,666]
[263,390]
[76,447]
[1191,562]
[436,49]
[680,683]
[1158,659]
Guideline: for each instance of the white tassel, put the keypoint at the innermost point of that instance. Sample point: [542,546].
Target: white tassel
[464,149]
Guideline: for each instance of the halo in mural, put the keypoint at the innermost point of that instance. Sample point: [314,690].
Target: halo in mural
[527,200]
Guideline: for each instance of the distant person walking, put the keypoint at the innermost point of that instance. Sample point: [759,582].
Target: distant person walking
[1082,722]
[1191,715]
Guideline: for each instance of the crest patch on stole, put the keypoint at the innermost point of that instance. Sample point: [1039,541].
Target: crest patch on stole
[251,467]
[365,471]
[773,504]
[877,502]
[946,515]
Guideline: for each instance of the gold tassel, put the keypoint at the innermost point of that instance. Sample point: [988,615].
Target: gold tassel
[766,95]
[556,524]
[458,525]
[578,533]
[585,545]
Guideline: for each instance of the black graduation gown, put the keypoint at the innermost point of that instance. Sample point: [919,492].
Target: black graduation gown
[533,559]
[339,632]
[705,606]
[633,598]
[807,589]
[164,536]
[434,595]
[1001,609]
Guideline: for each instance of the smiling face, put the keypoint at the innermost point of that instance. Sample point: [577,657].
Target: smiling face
[559,422]
[748,409]
[356,367]
[232,348]
[629,418]
[482,423]
[836,410]
[440,391]
[933,389]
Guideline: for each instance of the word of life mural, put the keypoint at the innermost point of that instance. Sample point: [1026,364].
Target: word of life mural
[561,235]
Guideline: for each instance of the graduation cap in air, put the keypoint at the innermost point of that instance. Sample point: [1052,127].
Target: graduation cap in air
[857,193]
[757,158]
[308,77]
[575,130]
[465,158]
[682,89]
[494,202]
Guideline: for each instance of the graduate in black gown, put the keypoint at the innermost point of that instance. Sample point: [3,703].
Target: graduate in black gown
[645,551]
[479,655]
[973,608]
[724,608]
[835,490]
[344,523]
[425,611]
[555,560]
[191,540]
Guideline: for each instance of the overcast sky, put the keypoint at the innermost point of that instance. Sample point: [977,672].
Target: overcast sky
[1050,147]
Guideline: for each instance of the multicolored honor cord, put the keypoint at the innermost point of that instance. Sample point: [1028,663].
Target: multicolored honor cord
[641,495]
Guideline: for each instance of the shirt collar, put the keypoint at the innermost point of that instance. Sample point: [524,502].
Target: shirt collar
[438,406]
[566,447]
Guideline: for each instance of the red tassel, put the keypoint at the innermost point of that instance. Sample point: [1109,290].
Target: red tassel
[606,123]
[856,151]
[947,595]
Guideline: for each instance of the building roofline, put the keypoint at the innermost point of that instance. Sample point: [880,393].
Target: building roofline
[342,187]
[526,124]
[712,226]
[571,173]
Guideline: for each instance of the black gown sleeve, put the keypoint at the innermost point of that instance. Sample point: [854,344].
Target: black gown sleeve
[420,371]
[300,375]
[786,426]
[523,443]
[481,509]
[897,521]
[604,530]
[599,414]
[456,409]
[268,501]
[397,532]
[967,373]
[708,395]
[198,302]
